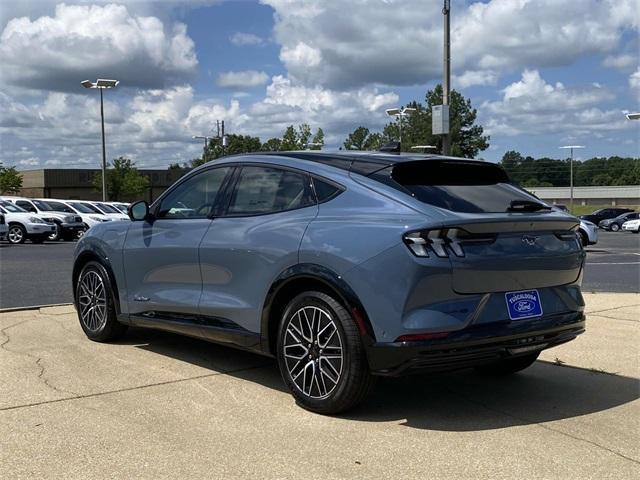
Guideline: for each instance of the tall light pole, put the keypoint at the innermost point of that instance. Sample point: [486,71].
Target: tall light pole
[446,73]
[400,114]
[102,84]
[571,147]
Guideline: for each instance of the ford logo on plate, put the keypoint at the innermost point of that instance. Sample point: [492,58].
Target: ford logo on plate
[524,306]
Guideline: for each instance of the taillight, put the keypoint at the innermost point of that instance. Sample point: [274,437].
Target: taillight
[442,241]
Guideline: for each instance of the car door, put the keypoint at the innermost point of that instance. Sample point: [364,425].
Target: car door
[160,256]
[250,244]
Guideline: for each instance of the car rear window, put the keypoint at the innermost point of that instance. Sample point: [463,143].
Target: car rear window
[456,185]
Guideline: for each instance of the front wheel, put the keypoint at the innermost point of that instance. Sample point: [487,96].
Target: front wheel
[95,304]
[17,234]
[615,227]
[321,355]
[508,366]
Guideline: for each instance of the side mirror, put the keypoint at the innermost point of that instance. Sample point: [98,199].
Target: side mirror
[138,211]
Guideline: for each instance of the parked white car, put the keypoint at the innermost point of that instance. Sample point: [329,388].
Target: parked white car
[23,225]
[104,209]
[89,217]
[68,226]
[122,206]
[588,233]
[632,226]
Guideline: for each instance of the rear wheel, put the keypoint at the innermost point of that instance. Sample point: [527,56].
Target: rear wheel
[95,305]
[17,234]
[615,227]
[508,366]
[321,356]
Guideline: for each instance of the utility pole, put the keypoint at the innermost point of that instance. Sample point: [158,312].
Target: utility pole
[104,153]
[446,71]
[222,139]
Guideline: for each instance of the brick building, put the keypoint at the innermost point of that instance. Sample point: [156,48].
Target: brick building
[77,183]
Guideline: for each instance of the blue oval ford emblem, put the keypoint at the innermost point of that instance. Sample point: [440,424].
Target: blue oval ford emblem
[524,306]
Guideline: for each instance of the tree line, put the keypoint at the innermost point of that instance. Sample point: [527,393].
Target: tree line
[551,172]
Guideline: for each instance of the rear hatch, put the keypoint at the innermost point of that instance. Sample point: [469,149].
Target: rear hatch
[497,236]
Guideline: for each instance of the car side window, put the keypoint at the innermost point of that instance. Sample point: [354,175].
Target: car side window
[261,190]
[195,197]
[325,191]
[26,205]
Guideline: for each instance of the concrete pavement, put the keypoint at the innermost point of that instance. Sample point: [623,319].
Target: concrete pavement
[156,405]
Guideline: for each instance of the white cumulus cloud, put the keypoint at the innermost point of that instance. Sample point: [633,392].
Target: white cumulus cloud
[80,41]
[244,79]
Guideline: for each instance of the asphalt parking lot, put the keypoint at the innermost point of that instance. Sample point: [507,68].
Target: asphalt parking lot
[156,405]
[33,275]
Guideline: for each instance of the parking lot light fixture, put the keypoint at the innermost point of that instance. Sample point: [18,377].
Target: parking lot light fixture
[101,84]
[400,114]
[202,137]
[633,116]
[571,147]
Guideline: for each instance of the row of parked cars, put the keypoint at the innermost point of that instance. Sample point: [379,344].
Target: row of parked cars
[615,219]
[40,219]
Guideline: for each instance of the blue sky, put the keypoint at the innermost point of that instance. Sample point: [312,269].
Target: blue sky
[542,73]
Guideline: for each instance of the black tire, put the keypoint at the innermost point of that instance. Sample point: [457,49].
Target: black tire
[55,236]
[107,327]
[353,381]
[16,234]
[584,239]
[508,366]
[614,227]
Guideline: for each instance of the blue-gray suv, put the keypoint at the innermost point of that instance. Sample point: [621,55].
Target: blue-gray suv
[343,266]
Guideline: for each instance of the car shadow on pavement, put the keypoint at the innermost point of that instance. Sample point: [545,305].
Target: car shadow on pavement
[457,401]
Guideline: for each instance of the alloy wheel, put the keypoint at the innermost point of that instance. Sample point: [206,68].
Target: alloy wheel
[313,352]
[615,227]
[15,235]
[92,301]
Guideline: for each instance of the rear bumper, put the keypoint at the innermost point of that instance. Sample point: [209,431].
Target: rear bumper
[475,345]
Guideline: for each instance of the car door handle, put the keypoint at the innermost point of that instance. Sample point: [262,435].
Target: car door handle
[138,298]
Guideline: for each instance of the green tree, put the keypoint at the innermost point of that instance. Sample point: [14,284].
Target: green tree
[272,145]
[362,139]
[124,182]
[236,144]
[289,139]
[10,180]
[318,140]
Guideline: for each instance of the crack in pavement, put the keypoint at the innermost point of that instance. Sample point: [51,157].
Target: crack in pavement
[137,387]
[41,374]
[614,308]
[614,318]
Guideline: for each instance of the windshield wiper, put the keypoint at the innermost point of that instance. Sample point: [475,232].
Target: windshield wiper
[526,206]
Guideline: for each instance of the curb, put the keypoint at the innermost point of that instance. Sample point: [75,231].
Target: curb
[33,307]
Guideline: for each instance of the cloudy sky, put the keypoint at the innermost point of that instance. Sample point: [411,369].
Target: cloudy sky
[542,73]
